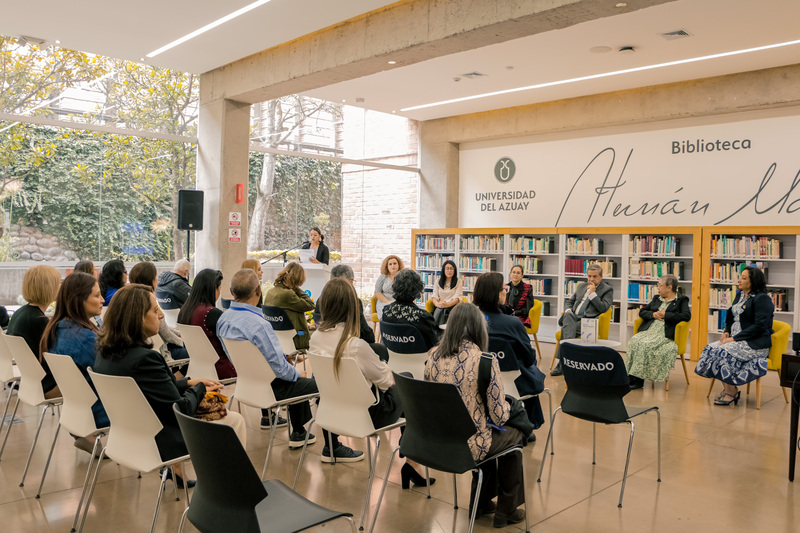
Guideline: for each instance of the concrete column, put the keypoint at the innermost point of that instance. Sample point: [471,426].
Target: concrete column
[222,163]
[438,190]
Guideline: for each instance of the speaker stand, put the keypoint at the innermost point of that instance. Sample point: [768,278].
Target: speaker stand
[188,243]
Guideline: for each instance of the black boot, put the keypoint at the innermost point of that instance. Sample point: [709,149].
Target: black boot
[558,370]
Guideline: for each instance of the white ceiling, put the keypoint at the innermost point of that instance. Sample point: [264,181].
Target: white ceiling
[716,26]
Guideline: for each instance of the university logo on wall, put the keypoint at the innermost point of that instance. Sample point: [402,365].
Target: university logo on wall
[504,169]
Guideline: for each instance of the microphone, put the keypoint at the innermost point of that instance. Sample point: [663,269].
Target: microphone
[305,242]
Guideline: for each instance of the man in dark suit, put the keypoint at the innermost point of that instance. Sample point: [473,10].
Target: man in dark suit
[591,299]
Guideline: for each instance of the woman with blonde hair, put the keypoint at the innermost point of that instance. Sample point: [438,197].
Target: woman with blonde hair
[39,288]
[255,266]
[287,295]
[384,291]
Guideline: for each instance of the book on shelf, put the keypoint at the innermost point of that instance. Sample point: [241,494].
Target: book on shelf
[541,287]
[633,314]
[577,267]
[533,245]
[717,319]
[719,297]
[477,263]
[654,245]
[482,243]
[655,269]
[752,247]
[546,308]
[780,298]
[529,264]
[431,242]
[584,246]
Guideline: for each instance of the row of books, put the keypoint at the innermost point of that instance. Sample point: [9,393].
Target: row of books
[479,243]
[729,272]
[577,245]
[642,292]
[721,297]
[530,265]
[540,245]
[655,269]
[633,314]
[716,320]
[429,279]
[477,263]
[429,242]
[747,247]
[469,282]
[541,287]
[780,298]
[654,245]
[577,267]
[431,262]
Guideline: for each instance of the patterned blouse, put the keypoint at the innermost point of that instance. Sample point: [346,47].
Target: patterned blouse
[408,313]
[462,371]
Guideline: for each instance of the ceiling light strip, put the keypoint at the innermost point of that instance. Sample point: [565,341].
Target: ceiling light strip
[604,75]
[208,27]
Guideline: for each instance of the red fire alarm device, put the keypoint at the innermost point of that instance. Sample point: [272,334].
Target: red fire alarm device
[239,193]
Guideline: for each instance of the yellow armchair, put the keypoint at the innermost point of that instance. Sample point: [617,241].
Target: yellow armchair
[681,337]
[535,317]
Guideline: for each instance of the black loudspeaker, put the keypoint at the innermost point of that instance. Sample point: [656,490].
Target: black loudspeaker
[190,210]
[796,341]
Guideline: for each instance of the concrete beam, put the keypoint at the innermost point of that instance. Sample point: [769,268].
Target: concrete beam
[408,32]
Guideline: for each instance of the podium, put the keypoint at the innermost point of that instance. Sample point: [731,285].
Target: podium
[317,275]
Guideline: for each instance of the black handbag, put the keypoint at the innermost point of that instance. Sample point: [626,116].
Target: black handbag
[518,418]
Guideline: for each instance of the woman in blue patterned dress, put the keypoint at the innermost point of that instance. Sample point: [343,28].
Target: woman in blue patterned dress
[740,356]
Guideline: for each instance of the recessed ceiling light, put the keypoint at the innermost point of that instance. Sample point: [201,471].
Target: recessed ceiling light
[142,59]
[392,62]
[600,49]
[344,100]
[57,41]
[510,67]
[606,74]
[622,4]
[209,26]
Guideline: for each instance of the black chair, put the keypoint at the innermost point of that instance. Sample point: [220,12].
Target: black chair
[407,349]
[509,366]
[229,495]
[596,383]
[283,328]
[166,300]
[438,427]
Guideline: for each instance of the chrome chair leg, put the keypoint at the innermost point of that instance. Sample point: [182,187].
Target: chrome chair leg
[269,447]
[8,431]
[303,453]
[428,479]
[455,493]
[161,493]
[477,499]
[658,417]
[33,446]
[594,443]
[183,520]
[383,488]
[91,489]
[86,482]
[373,459]
[627,462]
[547,443]
[49,457]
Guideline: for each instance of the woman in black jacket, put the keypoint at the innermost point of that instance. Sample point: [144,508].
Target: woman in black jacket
[652,351]
[740,356]
[316,242]
[123,349]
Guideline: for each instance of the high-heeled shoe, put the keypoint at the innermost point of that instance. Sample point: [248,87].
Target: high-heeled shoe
[734,399]
[190,483]
[408,475]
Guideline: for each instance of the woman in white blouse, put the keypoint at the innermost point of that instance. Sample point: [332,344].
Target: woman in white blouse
[447,292]
[338,336]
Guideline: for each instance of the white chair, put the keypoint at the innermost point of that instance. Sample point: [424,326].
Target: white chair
[30,392]
[131,439]
[344,409]
[9,374]
[202,355]
[407,351]
[76,412]
[253,385]
[171,316]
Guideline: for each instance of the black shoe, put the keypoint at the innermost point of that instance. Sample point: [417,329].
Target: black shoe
[489,508]
[532,438]
[515,518]
[636,383]
[343,454]
[297,439]
[179,480]
[408,475]
[558,370]
[279,423]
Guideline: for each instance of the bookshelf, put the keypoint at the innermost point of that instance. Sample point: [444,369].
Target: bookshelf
[479,253]
[538,255]
[429,254]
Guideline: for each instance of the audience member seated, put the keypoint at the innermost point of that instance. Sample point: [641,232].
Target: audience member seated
[255,266]
[85,266]
[200,310]
[365,332]
[124,350]
[71,332]
[520,295]
[456,360]
[384,292]
[591,299]
[652,351]
[447,292]
[316,243]
[244,322]
[407,288]
[489,295]
[287,294]
[337,337]
[145,273]
[173,287]
[740,356]
[113,277]
[39,288]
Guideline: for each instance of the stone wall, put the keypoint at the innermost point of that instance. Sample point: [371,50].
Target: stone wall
[30,244]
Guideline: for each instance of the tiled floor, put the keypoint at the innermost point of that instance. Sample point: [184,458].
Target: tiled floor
[724,469]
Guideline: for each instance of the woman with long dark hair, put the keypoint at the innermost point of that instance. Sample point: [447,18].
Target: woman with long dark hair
[200,310]
[124,349]
[72,332]
[456,360]
[447,292]
[316,243]
[740,356]
[113,277]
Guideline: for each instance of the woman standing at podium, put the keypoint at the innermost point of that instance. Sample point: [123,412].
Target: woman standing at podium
[316,243]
